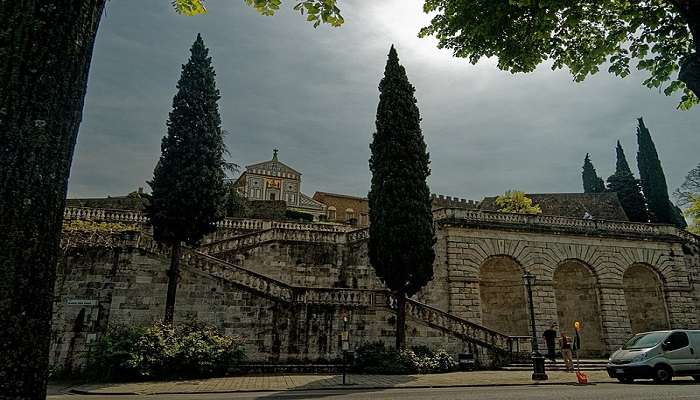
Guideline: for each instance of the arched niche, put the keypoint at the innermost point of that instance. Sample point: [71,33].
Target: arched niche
[644,295]
[503,301]
[576,295]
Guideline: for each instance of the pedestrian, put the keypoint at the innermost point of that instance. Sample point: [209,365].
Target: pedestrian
[550,337]
[565,344]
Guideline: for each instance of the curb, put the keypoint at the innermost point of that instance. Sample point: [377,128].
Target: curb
[346,387]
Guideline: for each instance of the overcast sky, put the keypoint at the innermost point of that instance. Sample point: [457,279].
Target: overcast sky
[312,93]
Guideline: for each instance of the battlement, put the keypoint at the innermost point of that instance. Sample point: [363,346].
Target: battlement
[441,201]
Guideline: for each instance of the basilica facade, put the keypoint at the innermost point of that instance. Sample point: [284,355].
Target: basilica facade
[275,180]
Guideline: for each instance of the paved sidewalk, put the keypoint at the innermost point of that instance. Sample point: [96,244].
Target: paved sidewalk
[313,381]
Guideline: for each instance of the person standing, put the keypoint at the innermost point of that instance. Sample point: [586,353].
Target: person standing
[550,337]
[566,352]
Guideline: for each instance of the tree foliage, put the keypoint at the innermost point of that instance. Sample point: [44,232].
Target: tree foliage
[652,178]
[592,183]
[689,188]
[515,201]
[86,233]
[693,212]
[401,221]
[655,36]
[188,181]
[627,188]
[316,11]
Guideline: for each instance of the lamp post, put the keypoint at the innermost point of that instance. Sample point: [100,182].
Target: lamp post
[538,373]
[344,344]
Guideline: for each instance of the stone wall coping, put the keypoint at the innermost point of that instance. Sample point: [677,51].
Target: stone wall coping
[449,216]
[105,214]
[441,216]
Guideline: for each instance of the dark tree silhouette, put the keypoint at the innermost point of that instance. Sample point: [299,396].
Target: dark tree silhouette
[188,181]
[401,222]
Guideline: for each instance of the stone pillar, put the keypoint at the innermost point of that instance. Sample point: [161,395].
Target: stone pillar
[463,279]
[681,310]
[614,317]
[544,300]
[464,299]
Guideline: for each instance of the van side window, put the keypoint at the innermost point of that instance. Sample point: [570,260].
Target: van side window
[676,340]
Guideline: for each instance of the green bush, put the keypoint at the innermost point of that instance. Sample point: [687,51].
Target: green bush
[375,358]
[190,350]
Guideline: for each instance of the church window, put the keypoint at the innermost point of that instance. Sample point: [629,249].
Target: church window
[272,196]
[349,214]
[331,213]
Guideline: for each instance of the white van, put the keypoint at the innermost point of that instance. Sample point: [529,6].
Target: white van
[659,355]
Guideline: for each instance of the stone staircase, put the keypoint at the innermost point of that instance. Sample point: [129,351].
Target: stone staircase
[276,290]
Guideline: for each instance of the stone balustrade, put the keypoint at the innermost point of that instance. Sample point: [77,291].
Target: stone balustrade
[341,296]
[282,234]
[258,283]
[563,223]
[459,327]
[442,214]
[358,235]
[101,214]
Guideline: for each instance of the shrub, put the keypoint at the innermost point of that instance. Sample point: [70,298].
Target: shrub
[375,358]
[190,350]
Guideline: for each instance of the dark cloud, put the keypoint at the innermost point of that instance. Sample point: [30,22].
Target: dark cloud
[312,93]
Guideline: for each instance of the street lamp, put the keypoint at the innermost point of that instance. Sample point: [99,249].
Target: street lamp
[538,373]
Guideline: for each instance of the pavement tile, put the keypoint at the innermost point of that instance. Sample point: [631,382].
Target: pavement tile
[312,381]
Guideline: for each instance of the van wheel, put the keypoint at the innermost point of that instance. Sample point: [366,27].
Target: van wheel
[625,379]
[663,374]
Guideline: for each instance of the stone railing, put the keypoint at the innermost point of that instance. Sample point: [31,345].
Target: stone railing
[461,328]
[102,214]
[244,224]
[258,283]
[564,223]
[282,234]
[239,242]
[358,235]
[341,296]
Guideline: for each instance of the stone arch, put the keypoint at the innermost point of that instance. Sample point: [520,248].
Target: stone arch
[503,301]
[576,293]
[644,295]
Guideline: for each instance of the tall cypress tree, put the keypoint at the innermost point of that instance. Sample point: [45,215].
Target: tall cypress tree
[627,188]
[592,183]
[401,221]
[188,181]
[652,178]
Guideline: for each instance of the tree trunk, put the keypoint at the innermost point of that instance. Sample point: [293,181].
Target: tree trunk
[400,321]
[173,278]
[45,52]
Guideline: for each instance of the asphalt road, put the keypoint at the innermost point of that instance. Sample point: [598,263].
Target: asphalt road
[612,391]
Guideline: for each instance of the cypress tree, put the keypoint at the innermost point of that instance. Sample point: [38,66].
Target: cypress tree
[627,188]
[188,181]
[592,183]
[652,178]
[401,221]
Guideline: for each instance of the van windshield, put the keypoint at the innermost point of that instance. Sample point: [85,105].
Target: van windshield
[644,340]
